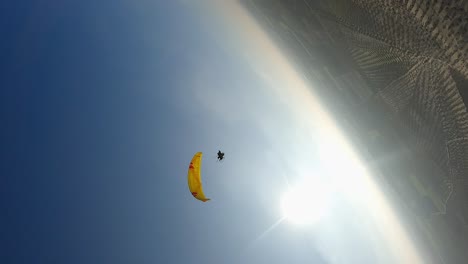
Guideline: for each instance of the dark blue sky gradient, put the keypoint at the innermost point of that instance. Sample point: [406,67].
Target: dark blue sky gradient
[88,125]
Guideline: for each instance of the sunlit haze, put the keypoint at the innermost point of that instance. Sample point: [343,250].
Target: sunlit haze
[348,174]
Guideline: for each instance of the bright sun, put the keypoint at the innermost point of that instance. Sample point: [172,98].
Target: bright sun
[305,204]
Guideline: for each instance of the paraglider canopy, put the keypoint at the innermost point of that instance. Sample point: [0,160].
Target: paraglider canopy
[220,155]
[194,178]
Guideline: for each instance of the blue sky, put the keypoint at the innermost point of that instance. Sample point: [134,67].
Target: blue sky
[103,105]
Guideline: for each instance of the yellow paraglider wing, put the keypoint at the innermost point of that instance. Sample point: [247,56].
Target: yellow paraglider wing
[194,178]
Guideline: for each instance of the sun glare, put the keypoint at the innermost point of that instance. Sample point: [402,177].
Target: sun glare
[305,204]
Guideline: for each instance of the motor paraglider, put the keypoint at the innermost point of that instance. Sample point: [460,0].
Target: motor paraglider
[194,176]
